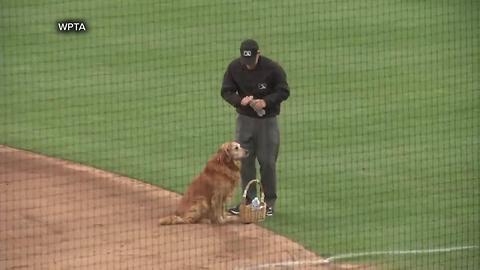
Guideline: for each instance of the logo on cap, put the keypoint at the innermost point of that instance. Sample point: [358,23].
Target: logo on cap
[247,53]
[262,86]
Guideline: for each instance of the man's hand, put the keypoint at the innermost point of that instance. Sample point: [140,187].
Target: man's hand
[246,100]
[258,104]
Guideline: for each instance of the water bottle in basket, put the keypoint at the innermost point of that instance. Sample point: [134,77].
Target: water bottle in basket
[256,210]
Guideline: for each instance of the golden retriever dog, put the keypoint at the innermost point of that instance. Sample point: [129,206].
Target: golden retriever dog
[205,198]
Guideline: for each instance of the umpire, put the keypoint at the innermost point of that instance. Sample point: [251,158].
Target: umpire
[256,86]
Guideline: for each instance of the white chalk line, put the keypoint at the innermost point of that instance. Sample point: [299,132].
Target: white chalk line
[398,252]
[356,255]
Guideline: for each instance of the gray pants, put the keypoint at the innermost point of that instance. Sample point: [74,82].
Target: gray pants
[261,137]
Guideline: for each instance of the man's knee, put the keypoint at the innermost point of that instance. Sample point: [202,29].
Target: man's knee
[267,164]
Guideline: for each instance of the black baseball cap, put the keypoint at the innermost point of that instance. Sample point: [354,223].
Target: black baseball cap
[248,51]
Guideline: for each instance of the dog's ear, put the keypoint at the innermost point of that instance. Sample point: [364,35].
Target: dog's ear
[223,153]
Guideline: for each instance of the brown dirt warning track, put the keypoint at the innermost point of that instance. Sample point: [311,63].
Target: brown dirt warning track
[55,214]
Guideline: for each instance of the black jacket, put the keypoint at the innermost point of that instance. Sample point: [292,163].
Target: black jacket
[267,81]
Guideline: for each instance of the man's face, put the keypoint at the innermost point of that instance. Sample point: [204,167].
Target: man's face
[251,67]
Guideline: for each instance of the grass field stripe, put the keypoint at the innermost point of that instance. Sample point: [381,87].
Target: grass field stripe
[397,252]
[356,255]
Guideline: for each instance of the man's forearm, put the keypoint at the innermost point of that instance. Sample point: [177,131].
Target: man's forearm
[277,97]
[231,97]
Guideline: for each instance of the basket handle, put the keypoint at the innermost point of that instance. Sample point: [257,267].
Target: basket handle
[262,195]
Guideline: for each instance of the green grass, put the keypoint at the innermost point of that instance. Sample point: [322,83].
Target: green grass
[380,138]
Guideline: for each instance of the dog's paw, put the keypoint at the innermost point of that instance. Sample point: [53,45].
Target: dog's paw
[232,219]
[219,220]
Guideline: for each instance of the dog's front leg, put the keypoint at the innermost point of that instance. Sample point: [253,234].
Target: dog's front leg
[218,213]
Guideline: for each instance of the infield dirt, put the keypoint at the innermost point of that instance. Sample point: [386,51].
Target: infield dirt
[55,214]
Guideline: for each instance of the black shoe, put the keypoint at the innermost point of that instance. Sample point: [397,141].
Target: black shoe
[269,211]
[234,210]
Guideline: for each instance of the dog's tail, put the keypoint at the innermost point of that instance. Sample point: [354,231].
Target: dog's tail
[171,220]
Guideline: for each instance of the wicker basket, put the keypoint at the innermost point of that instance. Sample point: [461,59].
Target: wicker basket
[248,213]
